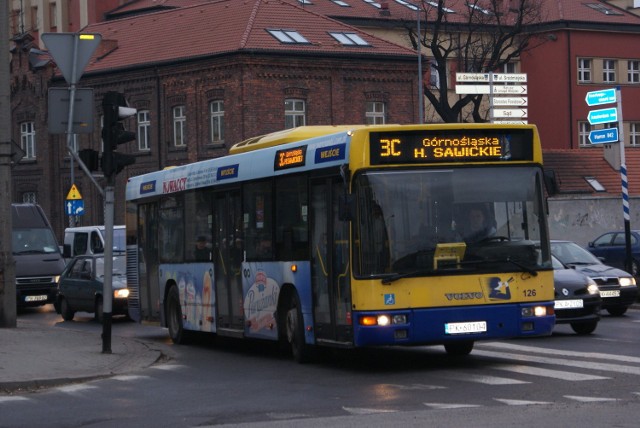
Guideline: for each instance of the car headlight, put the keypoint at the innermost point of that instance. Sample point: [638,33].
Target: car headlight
[627,281]
[122,293]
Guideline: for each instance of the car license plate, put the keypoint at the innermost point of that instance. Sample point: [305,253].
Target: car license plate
[610,293]
[35,298]
[465,327]
[565,304]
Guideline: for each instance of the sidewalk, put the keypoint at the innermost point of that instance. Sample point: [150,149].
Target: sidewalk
[32,357]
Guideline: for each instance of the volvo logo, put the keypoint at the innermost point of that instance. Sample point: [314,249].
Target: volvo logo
[474,295]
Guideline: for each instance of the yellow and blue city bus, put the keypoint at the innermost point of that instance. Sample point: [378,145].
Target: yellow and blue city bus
[349,236]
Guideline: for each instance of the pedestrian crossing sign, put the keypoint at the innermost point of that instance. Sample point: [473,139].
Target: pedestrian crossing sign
[74,194]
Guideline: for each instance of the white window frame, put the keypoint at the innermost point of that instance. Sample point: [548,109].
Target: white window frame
[216,121]
[634,134]
[179,124]
[633,71]
[583,134]
[375,113]
[609,70]
[29,198]
[584,70]
[295,112]
[144,127]
[28,139]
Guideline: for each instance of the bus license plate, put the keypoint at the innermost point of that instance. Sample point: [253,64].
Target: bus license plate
[35,298]
[610,293]
[566,304]
[465,327]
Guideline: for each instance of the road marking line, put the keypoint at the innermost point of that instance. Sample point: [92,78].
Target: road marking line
[450,406]
[521,402]
[580,364]
[589,399]
[13,398]
[556,374]
[167,367]
[487,380]
[75,388]
[126,378]
[547,351]
[365,411]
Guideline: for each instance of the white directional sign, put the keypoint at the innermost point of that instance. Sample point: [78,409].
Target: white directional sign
[511,122]
[510,112]
[486,77]
[486,89]
[510,101]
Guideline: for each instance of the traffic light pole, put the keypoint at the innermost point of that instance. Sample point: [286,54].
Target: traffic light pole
[107,291]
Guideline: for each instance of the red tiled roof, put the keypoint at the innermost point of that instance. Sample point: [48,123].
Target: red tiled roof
[572,166]
[223,26]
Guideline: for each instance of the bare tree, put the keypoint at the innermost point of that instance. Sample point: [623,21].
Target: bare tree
[480,36]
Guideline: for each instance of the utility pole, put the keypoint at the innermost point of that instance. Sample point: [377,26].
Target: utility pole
[7,267]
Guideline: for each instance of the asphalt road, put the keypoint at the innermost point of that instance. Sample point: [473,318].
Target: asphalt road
[563,380]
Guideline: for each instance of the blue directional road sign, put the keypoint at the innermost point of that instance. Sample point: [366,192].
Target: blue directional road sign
[603,136]
[74,206]
[605,96]
[604,115]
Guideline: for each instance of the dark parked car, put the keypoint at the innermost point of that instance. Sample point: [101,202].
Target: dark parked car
[611,249]
[577,299]
[81,286]
[617,288]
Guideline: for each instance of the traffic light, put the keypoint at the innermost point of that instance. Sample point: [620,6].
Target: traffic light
[115,109]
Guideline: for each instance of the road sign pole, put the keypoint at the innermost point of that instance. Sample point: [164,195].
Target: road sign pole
[625,188]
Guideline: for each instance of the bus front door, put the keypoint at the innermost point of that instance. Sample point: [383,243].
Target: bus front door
[227,260]
[330,265]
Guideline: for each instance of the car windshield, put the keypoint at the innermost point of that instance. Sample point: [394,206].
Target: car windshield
[416,221]
[119,266]
[34,241]
[557,264]
[571,253]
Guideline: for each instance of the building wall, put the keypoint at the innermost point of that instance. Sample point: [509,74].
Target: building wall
[253,88]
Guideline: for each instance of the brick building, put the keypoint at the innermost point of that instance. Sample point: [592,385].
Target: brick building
[202,78]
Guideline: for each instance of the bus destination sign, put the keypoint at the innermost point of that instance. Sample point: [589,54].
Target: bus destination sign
[290,158]
[451,145]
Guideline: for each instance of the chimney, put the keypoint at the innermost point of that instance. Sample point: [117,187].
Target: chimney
[384,8]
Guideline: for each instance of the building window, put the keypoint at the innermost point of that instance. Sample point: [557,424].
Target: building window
[101,139]
[288,36]
[634,134]
[144,127]
[349,39]
[179,123]
[294,113]
[434,77]
[633,71]
[609,70]
[53,12]
[28,139]
[29,198]
[583,134]
[216,121]
[584,70]
[375,114]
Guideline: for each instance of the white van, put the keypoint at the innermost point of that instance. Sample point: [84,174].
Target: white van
[90,240]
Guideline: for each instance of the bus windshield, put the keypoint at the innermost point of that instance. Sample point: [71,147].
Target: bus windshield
[487,219]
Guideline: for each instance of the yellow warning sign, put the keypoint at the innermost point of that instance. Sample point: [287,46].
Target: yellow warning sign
[74,194]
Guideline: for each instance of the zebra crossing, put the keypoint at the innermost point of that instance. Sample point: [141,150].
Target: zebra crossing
[505,364]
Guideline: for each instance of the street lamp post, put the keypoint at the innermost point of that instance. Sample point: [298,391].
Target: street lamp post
[420,87]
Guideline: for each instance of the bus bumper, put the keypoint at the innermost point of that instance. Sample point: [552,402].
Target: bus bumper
[443,325]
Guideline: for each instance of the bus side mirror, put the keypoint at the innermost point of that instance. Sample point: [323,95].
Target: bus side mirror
[346,207]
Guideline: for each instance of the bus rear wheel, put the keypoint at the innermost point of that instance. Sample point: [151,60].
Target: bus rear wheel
[295,332]
[459,348]
[173,313]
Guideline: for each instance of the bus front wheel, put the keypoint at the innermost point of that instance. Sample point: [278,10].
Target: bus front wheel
[174,316]
[295,332]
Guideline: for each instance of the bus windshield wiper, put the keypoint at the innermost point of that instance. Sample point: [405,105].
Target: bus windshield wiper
[399,275]
[525,268]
